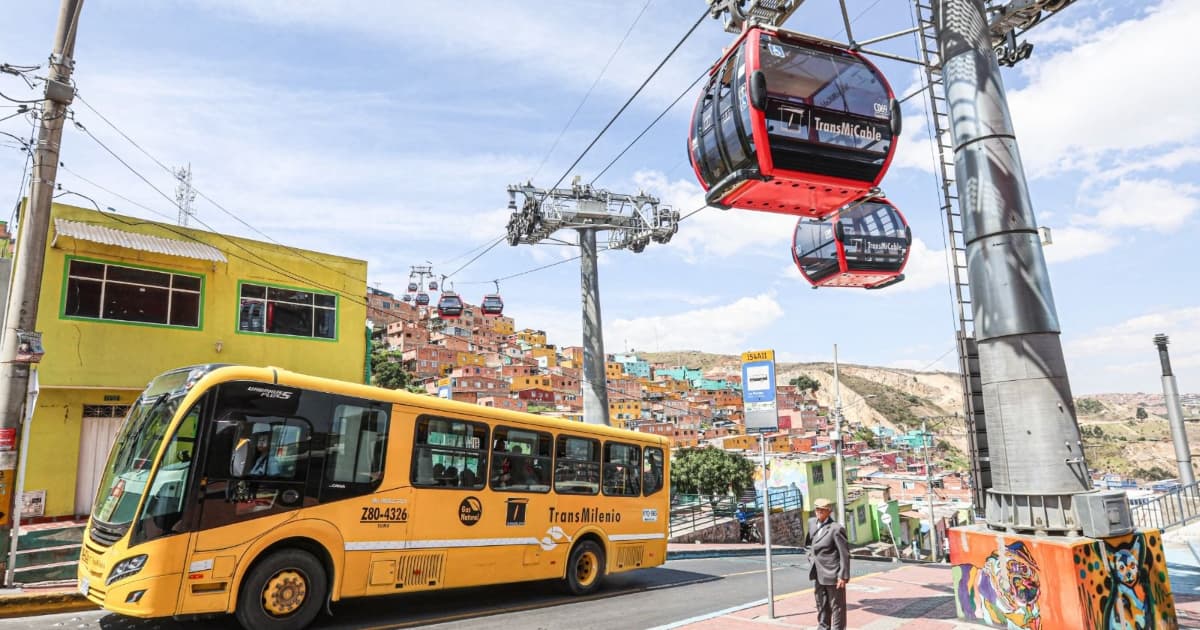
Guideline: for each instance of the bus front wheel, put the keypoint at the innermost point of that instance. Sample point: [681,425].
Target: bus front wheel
[585,568]
[283,592]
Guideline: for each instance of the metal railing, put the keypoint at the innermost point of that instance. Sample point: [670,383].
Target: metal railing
[696,512]
[1173,509]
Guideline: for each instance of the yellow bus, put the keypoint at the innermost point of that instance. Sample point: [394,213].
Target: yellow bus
[269,494]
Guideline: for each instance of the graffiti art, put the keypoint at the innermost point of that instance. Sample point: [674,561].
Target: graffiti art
[1003,591]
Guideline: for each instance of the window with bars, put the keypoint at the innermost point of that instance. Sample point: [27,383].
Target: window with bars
[284,311]
[99,290]
[105,411]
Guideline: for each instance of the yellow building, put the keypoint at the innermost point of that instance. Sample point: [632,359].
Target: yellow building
[532,337]
[614,370]
[622,412]
[125,299]
[466,359]
[549,354]
[502,325]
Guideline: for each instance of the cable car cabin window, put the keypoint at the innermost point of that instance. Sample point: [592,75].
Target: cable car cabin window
[449,454]
[652,470]
[815,249]
[622,465]
[520,460]
[874,237]
[357,443]
[819,105]
[730,120]
[711,164]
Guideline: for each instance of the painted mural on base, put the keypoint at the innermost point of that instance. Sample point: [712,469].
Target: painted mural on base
[1008,581]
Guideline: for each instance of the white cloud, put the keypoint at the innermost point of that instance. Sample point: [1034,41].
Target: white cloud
[1120,90]
[721,329]
[1072,242]
[926,268]
[1121,357]
[1156,204]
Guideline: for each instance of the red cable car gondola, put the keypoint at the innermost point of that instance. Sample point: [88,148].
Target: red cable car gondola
[433,285]
[792,125]
[492,305]
[865,245]
[450,306]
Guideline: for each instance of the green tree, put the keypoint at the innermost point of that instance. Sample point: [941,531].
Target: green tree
[805,383]
[1141,413]
[387,371]
[711,470]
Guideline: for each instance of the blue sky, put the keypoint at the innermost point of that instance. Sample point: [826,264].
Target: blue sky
[372,130]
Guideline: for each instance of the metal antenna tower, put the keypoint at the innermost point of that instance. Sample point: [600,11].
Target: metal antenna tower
[631,222]
[184,194]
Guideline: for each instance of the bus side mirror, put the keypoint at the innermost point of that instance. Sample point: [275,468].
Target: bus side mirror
[758,90]
[241,461]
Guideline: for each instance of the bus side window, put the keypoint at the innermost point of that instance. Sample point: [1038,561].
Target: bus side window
[451,447]
[622,465]
[357,444]
[652,470]
[576,465]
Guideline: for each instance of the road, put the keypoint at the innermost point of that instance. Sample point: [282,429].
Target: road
[678,590]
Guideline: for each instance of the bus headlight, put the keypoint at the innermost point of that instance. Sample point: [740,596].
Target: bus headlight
[126,568]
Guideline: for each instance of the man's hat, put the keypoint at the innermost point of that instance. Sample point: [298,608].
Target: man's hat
[822,504]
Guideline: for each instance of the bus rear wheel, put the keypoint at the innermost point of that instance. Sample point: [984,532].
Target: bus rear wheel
[283,592]
[585,568]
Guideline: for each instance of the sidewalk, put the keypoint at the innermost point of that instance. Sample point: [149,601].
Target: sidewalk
[912,597]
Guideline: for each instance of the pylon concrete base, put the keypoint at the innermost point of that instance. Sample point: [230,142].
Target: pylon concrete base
[1044,583]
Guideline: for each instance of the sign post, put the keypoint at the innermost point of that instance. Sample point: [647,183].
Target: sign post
[761,414]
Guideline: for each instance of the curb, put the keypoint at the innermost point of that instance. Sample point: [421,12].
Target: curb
[720,553]
[27,604]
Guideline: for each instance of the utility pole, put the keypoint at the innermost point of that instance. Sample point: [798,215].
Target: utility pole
[631,221]
[933,537]
[29,260]
[1183,453]
[837,429]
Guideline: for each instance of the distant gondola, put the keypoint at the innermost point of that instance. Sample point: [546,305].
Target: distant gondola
[422,299]
[450,306]
[492,305]
[792,125]
[864,245]
[412,287]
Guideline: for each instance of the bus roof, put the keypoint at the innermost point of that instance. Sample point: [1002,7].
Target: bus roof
[280,376]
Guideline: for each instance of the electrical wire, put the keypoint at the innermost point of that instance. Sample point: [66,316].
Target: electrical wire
[25,172]
[18,100]
[230,240]
[631,98]
[590,89]
[650,126]
[200,193]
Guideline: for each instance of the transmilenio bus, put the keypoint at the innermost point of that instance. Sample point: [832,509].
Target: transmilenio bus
[268,494]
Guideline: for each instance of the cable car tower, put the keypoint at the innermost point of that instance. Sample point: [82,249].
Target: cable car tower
[630,222]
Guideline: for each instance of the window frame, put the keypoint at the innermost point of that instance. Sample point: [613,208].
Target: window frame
[598,461]
[482,452]
[66,279]
[636,468]
[545,438]
[265,300]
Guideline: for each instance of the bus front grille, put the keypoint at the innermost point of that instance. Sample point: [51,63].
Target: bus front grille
[630,556]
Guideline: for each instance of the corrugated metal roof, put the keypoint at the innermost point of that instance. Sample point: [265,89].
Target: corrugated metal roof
[140,242]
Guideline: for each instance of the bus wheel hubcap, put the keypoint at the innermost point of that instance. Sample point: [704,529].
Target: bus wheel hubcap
[284,593]
[585,569]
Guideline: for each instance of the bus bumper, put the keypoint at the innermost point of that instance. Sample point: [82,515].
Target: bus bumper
[145,597]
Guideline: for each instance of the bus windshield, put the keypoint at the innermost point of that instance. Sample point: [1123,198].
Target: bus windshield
[137,445]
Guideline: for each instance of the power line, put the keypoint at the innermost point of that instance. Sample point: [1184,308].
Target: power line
[590,89]
[627,103]
[229,239]
[200,192]
[650,126]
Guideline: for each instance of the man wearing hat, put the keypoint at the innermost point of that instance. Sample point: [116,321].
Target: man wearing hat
[829,560]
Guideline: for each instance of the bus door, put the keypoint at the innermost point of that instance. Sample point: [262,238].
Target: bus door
[255,474]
